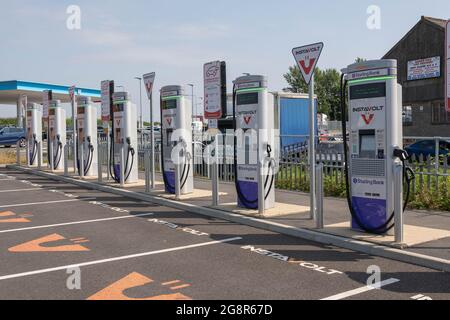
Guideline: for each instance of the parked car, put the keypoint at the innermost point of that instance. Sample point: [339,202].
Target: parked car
[11,135]
[428,148]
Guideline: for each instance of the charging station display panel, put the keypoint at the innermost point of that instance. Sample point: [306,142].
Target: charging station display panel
[368,151]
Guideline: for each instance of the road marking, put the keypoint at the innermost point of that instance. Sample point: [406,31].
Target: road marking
[116,291]
[9,214]
[20,190]
[42,245]
[76,222]
[355,292]
[41,203]
[133,256]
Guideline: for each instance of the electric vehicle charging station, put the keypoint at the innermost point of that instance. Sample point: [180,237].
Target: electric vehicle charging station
[87,137]
[34,133]
[123,159]
[57,135]
[376,142]
[255,139]
[176,140]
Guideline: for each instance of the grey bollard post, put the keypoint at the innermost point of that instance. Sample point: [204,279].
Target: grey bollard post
[18,153]
[147,170]
[100,157]
[52,159]
[122,166]
[261,189]
[27,155]
[39,147]
[319,197]
[398,206]
[66,162]
[81,155]
[215,175]
[177,179]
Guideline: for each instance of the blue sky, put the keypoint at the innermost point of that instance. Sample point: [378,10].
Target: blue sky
[123,39]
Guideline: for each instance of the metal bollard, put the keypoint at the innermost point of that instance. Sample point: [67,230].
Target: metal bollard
[177,179]
[147,170]
[39,155]
[27,155]
[18,153]
[215,176]
[52,159]
[81,160]
[100,157]
[261,189]
[398,199]
[66,162]
[319,197]
[108,160]
[122,166]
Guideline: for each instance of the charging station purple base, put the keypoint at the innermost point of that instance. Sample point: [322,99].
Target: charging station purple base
[249,191]
[371,212]
[169,182]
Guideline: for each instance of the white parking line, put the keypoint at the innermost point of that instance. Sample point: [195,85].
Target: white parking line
[77,222]
[355,292]
[41,203]
[20,190]
[133,256]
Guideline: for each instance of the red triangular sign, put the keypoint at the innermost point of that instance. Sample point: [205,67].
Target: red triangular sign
[307,57]
[247,119]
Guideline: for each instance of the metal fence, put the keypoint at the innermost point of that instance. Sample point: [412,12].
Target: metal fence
[294,170]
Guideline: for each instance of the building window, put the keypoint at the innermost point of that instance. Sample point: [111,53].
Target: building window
[407,116]
[439,114]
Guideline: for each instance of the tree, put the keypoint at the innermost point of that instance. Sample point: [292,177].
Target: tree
[327,89]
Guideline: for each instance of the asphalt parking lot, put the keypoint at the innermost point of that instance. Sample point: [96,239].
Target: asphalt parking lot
[59,241]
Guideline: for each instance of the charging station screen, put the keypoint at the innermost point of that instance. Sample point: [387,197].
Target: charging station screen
[80,110]
[368,143]
[367,91]
[118,108]
[169,104]
[247,98]
[51,112]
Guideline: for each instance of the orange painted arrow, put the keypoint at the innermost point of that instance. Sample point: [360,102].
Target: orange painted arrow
[116,290]
[38,245]
[12,220]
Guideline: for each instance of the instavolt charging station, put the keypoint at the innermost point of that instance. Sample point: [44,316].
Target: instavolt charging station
[376,161]
[34,133]
[123,157]
[57,135]
[254,150]
[87,137]
[176,141]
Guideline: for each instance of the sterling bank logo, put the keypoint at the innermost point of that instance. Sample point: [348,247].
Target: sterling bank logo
[372,182]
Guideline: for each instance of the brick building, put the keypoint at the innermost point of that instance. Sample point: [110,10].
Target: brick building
[421,72]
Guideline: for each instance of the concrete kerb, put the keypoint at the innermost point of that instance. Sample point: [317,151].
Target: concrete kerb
[307,234]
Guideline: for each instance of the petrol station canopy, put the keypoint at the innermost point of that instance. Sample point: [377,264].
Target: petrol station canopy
[11,91]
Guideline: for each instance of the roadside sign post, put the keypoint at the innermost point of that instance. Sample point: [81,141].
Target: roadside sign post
[149,80]
[306,58]
[215,90]
[74,127]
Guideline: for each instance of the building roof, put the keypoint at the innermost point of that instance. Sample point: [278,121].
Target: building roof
[10,91]
[437,23]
